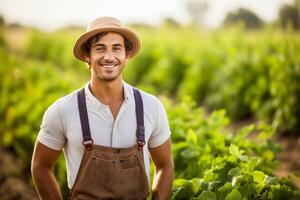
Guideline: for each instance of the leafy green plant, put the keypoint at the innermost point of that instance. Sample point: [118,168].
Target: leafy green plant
[27,89]
[212,163]
[241,72]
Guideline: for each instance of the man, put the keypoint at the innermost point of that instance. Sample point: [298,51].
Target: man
[106,129]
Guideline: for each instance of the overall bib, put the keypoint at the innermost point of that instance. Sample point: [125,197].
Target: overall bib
[111,173]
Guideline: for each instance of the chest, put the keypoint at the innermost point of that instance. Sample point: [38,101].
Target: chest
[105,129]
[115,107]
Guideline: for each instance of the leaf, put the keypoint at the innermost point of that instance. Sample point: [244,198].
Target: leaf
[194,185]
[181,193]
[179,182]
[252,163]
[259,177]
[245,131]
[263,135]
[190,153]
[244,158]
[207,195]
[191,137]
[235,180]
[212,185]
[234,150]
[224,190]
[234,195]
[234,171]
[270,180]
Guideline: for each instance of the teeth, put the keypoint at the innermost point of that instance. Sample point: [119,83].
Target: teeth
[108,66]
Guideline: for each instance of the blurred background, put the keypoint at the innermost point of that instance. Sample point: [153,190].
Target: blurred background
[228,73]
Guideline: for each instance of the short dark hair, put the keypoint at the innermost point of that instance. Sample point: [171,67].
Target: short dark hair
[86,47]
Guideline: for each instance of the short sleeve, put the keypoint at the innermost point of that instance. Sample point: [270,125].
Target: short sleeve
[51,133]
[161,131]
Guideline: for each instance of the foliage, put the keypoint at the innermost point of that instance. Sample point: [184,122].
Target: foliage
[27,88]
[246,74]
[230,69]
[55,48]
[212,163]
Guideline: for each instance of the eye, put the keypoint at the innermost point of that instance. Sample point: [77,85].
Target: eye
[117,48]
[100,49]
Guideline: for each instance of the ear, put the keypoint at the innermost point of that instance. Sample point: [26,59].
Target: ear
[87,58]
[128,55]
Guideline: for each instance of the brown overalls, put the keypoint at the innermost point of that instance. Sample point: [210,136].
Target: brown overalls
[111,173]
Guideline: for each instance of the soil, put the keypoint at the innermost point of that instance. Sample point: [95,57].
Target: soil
[15,182]
[289,158]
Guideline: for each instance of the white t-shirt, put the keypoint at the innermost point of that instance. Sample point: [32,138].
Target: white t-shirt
[61,127]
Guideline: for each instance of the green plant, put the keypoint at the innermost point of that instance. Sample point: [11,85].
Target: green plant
[212,163]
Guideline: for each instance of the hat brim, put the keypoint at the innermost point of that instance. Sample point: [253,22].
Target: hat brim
[130,35]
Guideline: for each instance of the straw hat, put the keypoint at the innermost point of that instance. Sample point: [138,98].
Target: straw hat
[106,24]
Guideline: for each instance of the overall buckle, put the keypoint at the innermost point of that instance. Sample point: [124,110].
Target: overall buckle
[88,144]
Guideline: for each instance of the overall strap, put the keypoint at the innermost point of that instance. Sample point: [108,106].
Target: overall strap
[87,139]
[139,109]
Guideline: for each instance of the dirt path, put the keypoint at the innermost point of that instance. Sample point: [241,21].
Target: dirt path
[289,158]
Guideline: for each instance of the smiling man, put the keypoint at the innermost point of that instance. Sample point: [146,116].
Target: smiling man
[107,129]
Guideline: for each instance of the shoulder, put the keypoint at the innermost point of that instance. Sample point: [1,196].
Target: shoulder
[65,104]
[152,102]
[68,99]
[149,100]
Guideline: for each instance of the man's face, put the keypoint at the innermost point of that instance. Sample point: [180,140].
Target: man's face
[108,57]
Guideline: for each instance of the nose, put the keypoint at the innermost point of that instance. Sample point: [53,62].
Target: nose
[108,55]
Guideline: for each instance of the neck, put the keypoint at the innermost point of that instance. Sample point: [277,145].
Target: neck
[107,91]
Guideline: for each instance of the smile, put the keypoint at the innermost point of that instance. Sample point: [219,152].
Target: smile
[108,66]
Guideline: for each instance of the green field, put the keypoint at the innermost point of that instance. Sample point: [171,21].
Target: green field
[206,80]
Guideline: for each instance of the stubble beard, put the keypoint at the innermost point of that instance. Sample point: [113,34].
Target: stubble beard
[107,78]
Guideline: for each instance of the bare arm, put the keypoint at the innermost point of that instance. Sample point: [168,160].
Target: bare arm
[164,170]
[43,160]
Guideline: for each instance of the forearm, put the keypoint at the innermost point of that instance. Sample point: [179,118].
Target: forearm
[46,184]
[162,183]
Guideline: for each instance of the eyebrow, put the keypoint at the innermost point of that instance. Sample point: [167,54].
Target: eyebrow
[103,45]
[117,45]
[98,45]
